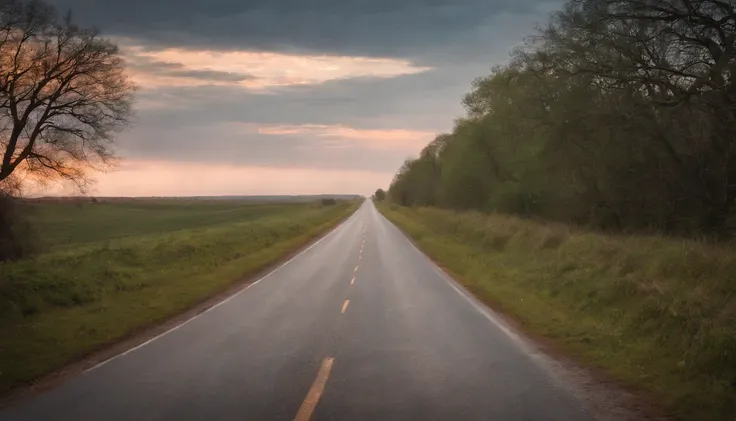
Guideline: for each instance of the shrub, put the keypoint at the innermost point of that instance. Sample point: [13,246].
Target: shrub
[16,235]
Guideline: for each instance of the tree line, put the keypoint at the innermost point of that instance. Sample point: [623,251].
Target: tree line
[617,113]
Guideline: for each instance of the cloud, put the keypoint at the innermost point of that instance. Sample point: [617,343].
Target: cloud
[327,87]
[148,73]
[436,30]
[252,69]
[341,136]
[370,124]
[144,66]
[426,101]
[308,146]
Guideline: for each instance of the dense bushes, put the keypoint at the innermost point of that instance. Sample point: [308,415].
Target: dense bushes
[619,114]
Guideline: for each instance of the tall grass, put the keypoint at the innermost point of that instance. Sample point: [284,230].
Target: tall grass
[657,313]
[73,299]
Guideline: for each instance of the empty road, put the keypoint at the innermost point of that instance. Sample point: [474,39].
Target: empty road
[360,326]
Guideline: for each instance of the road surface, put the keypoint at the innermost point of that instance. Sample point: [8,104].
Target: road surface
[360,326]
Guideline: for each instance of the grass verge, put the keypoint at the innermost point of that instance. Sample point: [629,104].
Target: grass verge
[658,314]
[68,302]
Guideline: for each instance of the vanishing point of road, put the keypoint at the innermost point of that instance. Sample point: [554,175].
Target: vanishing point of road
[359,326]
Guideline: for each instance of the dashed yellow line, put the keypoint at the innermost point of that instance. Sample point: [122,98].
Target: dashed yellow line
[315,392]
[345,306]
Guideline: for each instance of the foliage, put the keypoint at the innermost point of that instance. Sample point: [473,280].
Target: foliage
[379,195]
[69,301]
[619,114]
[17,239]
[657,313]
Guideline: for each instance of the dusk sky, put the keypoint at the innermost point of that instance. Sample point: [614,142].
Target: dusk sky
[292,96]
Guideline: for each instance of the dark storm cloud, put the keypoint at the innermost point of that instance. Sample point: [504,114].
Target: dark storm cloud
[419,29]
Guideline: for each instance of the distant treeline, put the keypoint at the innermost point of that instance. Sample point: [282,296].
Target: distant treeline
[620,114]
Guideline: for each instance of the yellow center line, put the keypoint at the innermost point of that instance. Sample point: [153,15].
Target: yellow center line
[345,306]
[315,392]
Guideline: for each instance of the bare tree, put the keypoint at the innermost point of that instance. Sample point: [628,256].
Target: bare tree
[64,95]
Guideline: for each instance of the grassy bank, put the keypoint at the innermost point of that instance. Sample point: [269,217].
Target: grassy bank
[656,313]
[110,268]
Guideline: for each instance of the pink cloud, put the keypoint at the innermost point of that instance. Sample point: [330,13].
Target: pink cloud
[264,69]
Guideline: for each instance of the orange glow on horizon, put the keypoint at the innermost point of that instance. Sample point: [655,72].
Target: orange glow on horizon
[158,178]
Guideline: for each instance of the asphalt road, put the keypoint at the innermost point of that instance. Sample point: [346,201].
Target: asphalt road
[408,345]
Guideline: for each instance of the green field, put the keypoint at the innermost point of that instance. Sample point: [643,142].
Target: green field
[658,314]
[111,267]
[70,224]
